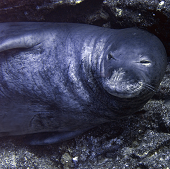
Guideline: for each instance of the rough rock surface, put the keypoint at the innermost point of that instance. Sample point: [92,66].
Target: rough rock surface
[139,141]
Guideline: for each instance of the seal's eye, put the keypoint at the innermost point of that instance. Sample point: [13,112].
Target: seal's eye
[110,56]
[145,62]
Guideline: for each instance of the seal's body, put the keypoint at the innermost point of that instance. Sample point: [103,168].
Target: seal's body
[67,78]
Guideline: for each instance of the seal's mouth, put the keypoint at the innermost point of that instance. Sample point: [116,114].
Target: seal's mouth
[121,85]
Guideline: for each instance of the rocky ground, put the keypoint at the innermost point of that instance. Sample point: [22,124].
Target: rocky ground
[141,141]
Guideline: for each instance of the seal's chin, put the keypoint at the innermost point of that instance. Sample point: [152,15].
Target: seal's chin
[120,86]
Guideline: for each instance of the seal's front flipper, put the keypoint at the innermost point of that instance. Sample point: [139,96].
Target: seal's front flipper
[21,41]
[51,138]
[19,35]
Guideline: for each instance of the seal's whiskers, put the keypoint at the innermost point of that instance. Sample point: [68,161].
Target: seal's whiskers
[150,87]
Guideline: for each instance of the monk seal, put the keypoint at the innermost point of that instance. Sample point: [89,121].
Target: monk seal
[60,79]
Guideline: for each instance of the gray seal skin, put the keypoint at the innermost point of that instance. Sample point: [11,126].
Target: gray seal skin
[61,79]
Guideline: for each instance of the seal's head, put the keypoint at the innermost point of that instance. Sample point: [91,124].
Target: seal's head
[134,64]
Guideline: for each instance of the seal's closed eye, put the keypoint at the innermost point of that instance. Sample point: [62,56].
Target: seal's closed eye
[146,62]
[110,56]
